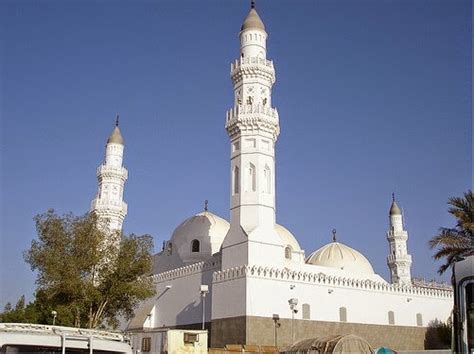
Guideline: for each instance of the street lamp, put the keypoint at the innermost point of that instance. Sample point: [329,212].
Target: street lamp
[204,290]
[54,313]
[276,320]
[293,302]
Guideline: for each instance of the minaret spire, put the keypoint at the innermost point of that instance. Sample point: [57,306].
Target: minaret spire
[253,127]
[398,260]
[108,204]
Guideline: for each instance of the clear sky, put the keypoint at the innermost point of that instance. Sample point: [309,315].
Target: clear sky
[374,97]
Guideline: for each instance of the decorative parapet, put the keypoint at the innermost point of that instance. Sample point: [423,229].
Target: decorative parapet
[432,284]
[112,171]
[113,206]
[198,267]
[324,279]
[252,117]
[252,67]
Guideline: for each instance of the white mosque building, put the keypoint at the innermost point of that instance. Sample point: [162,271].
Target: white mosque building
[262,288]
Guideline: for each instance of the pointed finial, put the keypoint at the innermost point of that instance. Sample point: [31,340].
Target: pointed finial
[206,202]
[252,4]
[117,120]
[163,247]
[333,235]
[393,197]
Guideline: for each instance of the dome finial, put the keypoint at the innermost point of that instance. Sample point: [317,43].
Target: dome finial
[333,235]
[393,197]
[206,203]
[252,4]
[117,120]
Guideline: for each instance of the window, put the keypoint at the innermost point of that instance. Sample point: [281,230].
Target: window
[391,317]
[251,178]
[306,311]
[267,179]
[419,319]
[195,246]
[170,248]
[235,188]
[342,314]
[191,337]
[146,344]
[288,252]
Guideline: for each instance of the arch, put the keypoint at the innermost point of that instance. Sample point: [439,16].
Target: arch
[306,309]
[342,314]
[419,319]
[267,179]
[391,317]
[251,178]
[288,251]
[235,180]
[195,246]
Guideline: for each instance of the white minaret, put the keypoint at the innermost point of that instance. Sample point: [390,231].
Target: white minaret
[398,260]
[108,203]
[253,128]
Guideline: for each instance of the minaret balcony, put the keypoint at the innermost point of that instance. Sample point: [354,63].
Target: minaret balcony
[112,171]
[399,258]
[109,204]
[252,66]
[252,117]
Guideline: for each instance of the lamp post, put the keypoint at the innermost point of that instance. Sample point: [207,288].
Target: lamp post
[276,320]
[204,290]
[54,313]
[293,302]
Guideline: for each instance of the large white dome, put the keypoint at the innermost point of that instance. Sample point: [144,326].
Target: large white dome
[287,237]
[339,256]
[205,227]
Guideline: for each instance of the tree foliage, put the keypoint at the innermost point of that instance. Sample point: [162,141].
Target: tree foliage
[438,335]
[88,275]
[452,243]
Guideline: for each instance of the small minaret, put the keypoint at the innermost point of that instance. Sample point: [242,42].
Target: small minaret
[398,260]
[253,127]
[108,203]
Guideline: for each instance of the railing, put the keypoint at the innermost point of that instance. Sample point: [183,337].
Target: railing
[251,61]
[107,168]
[109,203]
[251,109]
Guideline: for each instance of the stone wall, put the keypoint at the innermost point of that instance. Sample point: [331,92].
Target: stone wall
[261,331]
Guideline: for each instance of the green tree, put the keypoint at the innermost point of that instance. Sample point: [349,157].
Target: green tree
[89,276]
[451,243]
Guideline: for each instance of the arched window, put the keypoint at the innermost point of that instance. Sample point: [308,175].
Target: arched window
[306,311]
[236,180]
[391,317]
[195,246]
[170,248]
[288,252]
[267,179]
[342,314]
[251,179]
[419,319]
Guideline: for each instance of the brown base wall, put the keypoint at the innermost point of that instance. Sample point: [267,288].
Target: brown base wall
[261,331]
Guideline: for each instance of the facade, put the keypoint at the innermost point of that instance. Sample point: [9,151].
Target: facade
[262,287]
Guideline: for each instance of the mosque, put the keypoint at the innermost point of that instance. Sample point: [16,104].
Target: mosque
[247,280]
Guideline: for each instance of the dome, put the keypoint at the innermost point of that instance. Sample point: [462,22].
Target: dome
[205,227]
[287,237]
[337,255]
[115,137]
[394,209]
[253,20]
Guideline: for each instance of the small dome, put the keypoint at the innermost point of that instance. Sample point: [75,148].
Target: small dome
[287,237]
[115,137]
[205,227]
[253,20]
[337,255]
[394,209]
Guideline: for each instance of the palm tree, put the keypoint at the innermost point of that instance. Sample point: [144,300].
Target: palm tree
[456,242]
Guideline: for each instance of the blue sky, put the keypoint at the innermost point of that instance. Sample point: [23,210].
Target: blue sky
[374,96]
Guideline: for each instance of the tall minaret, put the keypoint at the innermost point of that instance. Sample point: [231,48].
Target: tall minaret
[253,128]
[399,261]
[108,203]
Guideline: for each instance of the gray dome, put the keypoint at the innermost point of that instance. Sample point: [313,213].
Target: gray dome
[116,137]
[253,20]
[394,209]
